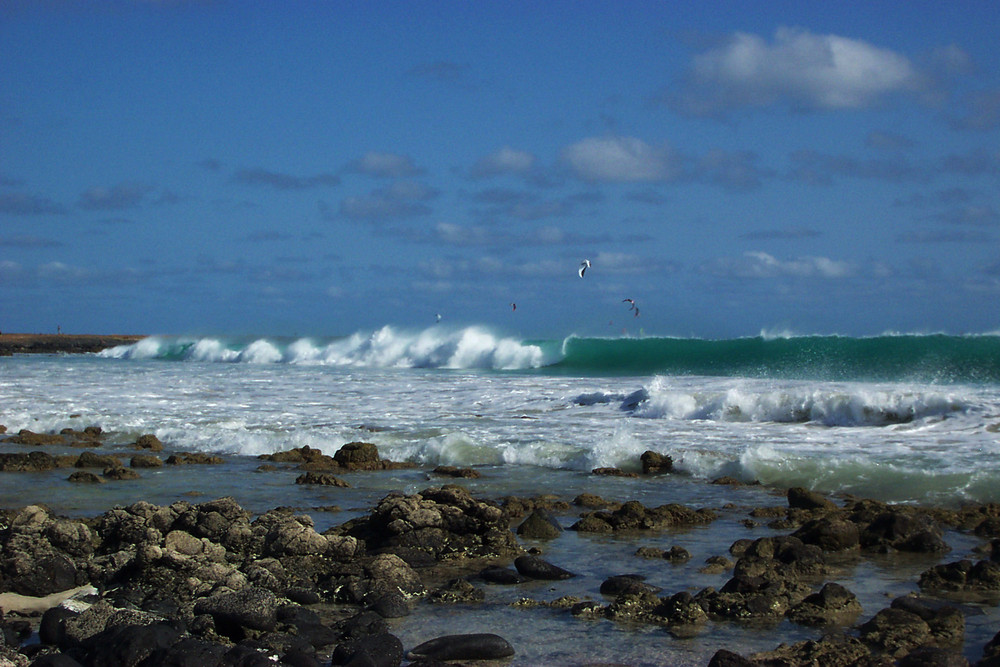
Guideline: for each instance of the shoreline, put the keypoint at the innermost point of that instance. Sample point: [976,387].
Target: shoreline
[20,343]
[792,565]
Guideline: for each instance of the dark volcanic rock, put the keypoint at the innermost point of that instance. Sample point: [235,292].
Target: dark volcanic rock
[145,461]
[378,650]
[84,477]
[454,471]
[536,568]
[633,516]
[895,631]
[904,530]
[483,646]
[833,604]
[630,584]
[128,645]
[830,534]
[195,458]
[831,651]
[358,456]
[150,442]
[253,608]
[801,498]
[27,462]
[654,462]
[457,591]
[322,479]
[502,576]
[442,522]
[963,576]
[92,460]
[540,525]
[26,437]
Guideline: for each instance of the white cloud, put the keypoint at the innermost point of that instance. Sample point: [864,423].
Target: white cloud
[504,161]
[756,264]
[618,160]
[386,165]
[799,67]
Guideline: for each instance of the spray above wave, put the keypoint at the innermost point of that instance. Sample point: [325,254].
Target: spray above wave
[471,347]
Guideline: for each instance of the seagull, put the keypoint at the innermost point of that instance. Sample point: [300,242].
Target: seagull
[630,302]
[636,312]
[584,265]
[513,307]
[438,317]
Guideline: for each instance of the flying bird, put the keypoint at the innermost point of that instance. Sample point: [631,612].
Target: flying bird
[630,302]
[584,265]
[513,307]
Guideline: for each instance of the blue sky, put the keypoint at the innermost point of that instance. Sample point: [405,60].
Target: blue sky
[311,168]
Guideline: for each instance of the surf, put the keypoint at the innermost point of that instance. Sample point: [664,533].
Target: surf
[931,358]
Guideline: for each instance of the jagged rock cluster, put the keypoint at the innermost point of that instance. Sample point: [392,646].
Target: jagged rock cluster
[206,584]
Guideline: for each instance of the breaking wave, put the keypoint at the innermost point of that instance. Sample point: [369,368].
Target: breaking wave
[938,358]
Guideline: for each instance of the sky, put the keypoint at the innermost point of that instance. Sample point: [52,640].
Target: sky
[325,168]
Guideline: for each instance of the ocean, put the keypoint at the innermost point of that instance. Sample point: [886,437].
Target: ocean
[901,418]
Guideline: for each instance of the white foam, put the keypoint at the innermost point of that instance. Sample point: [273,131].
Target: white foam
[830,405]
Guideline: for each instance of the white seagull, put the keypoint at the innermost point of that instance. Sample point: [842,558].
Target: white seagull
[584,265]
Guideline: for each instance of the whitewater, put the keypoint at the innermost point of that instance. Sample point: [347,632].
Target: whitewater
[898,418]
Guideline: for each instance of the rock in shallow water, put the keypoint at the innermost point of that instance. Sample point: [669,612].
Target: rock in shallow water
[480,646]
[536,568]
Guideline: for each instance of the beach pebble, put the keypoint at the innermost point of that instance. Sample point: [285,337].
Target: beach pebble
[481,646]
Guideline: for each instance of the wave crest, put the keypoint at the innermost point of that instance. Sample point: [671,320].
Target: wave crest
[470,347]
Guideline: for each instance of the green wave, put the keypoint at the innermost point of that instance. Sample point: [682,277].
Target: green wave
[935,358]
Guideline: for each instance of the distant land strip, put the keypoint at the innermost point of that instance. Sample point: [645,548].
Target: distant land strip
[17,343]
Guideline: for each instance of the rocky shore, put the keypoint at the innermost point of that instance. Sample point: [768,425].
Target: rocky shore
[210,584]
[16,343]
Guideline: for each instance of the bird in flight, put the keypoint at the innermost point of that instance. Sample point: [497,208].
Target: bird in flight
[513,307]
[584,265]
[630,302]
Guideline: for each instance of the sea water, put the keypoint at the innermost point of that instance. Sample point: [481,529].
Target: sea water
[896,418]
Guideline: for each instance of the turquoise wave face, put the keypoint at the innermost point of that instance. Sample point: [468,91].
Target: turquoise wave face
[933,358]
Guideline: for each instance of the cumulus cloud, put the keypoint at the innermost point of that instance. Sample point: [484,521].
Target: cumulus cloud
[280,181]
[504,161]
[619,160]
[385,165]
[756,264]
[797,67]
